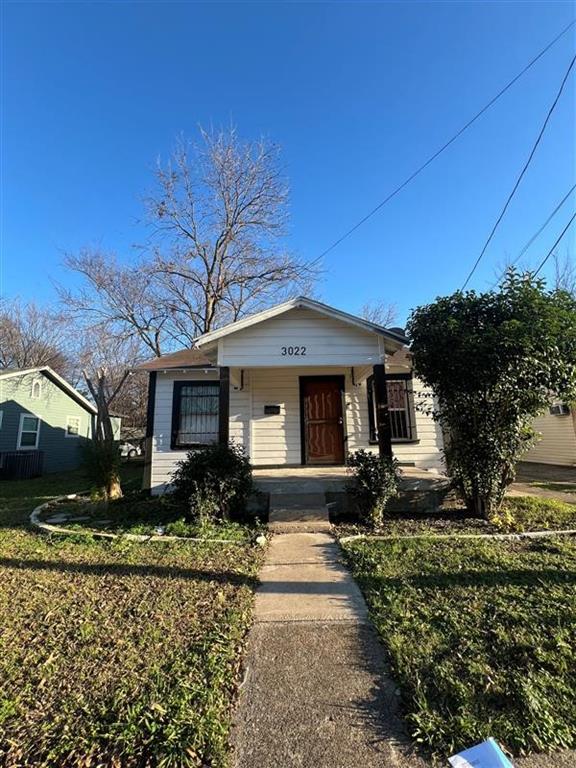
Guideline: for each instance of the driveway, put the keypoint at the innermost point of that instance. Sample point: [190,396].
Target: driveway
[548,481]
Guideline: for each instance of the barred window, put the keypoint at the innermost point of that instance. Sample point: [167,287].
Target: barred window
[195,413]
[400,407]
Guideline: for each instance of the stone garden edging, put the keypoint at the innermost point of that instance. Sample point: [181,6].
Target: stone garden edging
[504,536]
[140,537]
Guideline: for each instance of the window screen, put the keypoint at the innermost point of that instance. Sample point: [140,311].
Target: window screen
[195,418]
[400,408]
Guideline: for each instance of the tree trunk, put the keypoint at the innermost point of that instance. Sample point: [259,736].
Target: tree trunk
[113,488]
[478,506]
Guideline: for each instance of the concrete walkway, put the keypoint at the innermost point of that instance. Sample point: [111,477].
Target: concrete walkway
[298,513]
[317,693]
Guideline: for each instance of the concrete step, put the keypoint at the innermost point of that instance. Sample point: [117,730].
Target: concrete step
[300,527]
[298,512]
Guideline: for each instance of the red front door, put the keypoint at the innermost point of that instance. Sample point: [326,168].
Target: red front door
[322,420]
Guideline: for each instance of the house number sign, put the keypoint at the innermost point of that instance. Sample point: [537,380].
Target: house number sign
[293,351]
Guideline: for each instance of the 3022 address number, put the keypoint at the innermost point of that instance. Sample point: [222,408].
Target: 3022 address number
[293,351]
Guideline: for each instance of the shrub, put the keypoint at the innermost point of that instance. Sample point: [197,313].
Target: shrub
[375,482]
[492,360]
[102,464]
[214,482]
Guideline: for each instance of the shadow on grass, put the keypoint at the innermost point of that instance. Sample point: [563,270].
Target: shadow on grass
[121,569]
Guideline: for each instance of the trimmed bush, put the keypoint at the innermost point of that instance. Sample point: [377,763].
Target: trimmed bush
[214,482]
[375,482]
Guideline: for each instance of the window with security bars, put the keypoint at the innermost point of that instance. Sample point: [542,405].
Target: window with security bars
[400,408]
[195,414]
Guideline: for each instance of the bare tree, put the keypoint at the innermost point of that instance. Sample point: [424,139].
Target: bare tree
[115,357]
[217,217]
[117,390]
[31,336]
[119,300]
[102,454]
[565,273]
[379,312]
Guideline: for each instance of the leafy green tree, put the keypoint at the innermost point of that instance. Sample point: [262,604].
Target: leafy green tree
[493,361]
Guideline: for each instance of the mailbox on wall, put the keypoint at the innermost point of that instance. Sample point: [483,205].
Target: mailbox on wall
[271,410]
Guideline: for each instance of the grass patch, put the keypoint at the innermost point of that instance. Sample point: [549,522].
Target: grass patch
[122,654]
[534,513]
[19,497]
[139,513]
[480,637]
[518,514]
[560,487]
[116,654]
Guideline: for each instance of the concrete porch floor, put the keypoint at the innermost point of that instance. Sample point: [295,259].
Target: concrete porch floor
[305,479]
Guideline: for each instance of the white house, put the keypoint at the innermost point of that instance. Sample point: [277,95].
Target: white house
[301,383]
[557,437]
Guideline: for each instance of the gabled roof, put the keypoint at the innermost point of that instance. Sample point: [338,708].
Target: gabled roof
[185,358]
[301,302]
[45,370]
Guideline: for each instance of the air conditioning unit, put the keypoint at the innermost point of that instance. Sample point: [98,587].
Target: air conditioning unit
[560,409]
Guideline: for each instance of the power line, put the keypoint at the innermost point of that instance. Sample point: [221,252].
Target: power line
[444,146]
[551,251]
[522,172]
[538,233]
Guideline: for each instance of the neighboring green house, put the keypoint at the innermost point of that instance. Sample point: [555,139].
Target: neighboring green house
[43,422]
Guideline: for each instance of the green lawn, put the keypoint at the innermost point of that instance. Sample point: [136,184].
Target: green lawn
[480,637]
[19,497]
[534,513]
[556,486]
[517,514]
[116,654]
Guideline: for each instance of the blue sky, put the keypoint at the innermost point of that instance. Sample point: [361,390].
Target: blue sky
[358,95]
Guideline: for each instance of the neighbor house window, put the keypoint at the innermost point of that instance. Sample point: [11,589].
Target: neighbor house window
[560,409]
[28,432]
[400,407]
[36,393]
[72,426]
[195,412]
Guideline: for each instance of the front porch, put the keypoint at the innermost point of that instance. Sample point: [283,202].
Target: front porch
[299,498]
[322,479]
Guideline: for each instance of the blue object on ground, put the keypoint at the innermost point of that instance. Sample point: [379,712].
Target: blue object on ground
[485,755]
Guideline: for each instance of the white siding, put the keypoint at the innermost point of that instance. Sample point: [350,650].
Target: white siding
[164,459]
[240,414]
[558,442]
[275,439]
[323,340]
[424,453]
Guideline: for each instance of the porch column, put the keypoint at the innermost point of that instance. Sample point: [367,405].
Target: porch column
[382,412]
[147,479]
[224,406]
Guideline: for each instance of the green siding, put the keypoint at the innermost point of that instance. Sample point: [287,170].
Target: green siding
[52,408]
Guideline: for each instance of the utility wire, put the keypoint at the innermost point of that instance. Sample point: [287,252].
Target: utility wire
[445,146]
[522,172]
[551,251]
[538,233]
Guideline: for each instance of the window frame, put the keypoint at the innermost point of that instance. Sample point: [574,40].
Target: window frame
[37,380]
[559,409]
[67,435]
[176,404]
[1,418]
[19,446]
[410,408]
